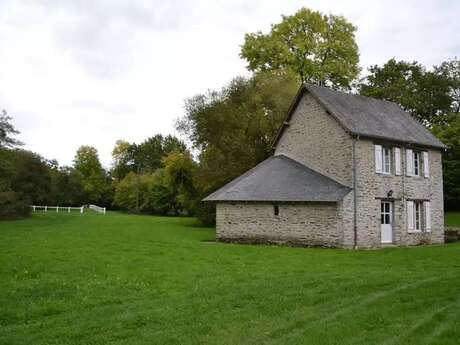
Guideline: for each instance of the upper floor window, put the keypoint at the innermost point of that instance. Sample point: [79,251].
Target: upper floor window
[389,160]
[417,163]
[416,159]
[382,159]
[386,157]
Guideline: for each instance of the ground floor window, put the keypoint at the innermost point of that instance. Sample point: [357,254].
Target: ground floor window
[418,216]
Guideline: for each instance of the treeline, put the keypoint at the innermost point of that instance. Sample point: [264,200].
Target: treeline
[27,179]
[155,177]
[232,129]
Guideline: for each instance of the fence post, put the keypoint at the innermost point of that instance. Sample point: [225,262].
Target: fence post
[34,208]
[68,209]
[57,209]
[104,210]
[81,209]
[46,208]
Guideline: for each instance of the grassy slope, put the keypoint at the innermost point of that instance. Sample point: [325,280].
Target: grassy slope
[119,279]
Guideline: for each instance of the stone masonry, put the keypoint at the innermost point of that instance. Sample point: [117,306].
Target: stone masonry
[315,139]
[372,188]
[311,224]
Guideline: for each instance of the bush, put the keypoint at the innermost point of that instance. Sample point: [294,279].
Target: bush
[12,206]
[452,235]
[206,213]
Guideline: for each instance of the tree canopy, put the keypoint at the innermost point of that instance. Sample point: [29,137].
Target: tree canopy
[320,49]
[93,176]
[233,129]
[7,131]
[144,157]
[427,95]
[449,134]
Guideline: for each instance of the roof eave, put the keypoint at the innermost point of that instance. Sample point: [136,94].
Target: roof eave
[401,142]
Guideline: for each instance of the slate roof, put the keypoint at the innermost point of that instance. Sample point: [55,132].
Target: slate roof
[368,117]
[280,178]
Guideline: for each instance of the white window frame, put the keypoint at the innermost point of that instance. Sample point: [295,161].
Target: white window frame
[385,212]
[383,163]
[416,216]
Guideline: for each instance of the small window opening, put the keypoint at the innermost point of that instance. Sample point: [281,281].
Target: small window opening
[416,163]
[276,210]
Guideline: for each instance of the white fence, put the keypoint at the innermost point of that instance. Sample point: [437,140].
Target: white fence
[56,208]
[97,208]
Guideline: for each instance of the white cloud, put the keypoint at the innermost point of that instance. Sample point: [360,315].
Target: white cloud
[91,72]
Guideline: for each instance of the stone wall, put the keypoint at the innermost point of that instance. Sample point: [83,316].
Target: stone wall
[373,187]
[310,224]
[315,139]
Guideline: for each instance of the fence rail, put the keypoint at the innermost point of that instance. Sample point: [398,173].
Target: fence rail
[57,208]
[97,208]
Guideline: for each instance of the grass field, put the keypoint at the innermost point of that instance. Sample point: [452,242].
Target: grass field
[452,219]
[121,279]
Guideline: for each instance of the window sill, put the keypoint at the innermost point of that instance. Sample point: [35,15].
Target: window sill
[414,231]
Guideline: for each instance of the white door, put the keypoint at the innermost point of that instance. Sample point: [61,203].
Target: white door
[385,221]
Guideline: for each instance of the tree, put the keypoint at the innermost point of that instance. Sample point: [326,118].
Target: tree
[449,134]
[173,144]
[163,196]
[66,186]
[144,157]
[451,71]
[233,129]
[132,193]
[6,131]
[123,159]
[320,48]
[180,170]
[425,94]
[149,154]
[93,178]
[30,176]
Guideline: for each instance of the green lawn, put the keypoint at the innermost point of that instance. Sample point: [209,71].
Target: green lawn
[120,279]
[452,219]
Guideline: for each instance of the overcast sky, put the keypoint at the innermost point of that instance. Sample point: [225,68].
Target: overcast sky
[90,72]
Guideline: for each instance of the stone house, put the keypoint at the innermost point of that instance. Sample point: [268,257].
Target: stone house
[347,171]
